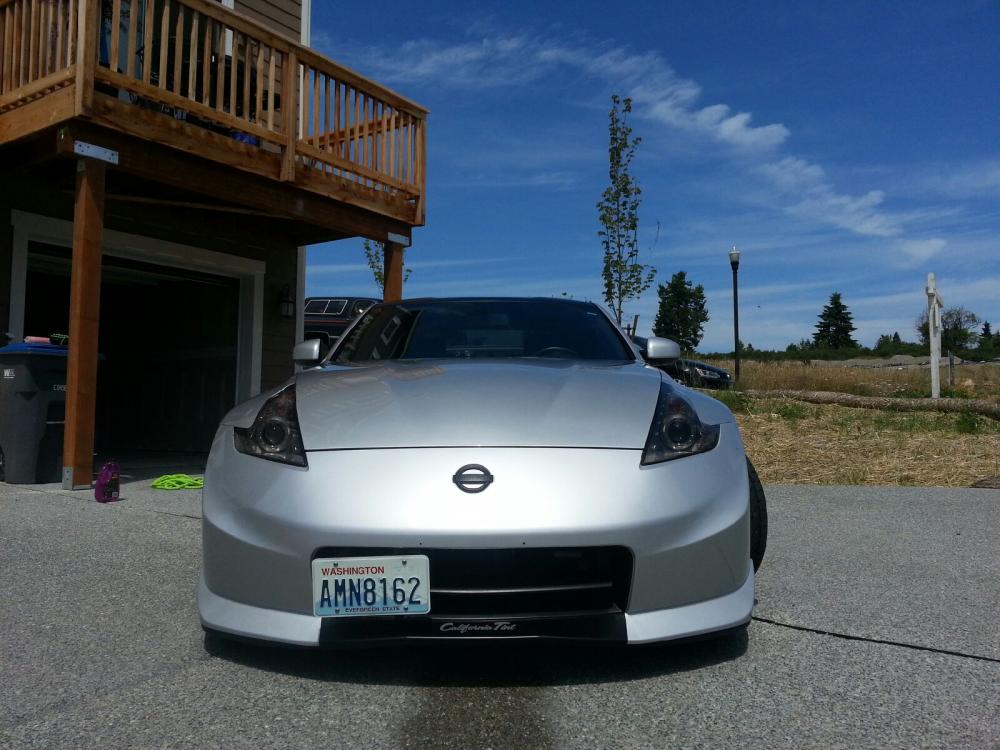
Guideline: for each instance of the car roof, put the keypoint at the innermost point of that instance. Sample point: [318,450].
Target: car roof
[343,296]
[497,298]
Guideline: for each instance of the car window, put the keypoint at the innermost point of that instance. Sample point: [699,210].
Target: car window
[475,329]
[315,306]
[336,306]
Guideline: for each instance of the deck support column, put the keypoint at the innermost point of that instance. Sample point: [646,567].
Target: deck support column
[393,268]
[84,319]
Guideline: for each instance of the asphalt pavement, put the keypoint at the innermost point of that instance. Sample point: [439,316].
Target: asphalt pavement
[876,626]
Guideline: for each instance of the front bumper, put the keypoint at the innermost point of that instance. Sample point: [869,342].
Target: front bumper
[685,523]
[246,621]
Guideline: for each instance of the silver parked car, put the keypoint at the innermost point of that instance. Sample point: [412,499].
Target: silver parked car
[480,468]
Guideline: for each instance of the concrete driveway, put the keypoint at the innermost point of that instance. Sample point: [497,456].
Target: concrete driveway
[876,627]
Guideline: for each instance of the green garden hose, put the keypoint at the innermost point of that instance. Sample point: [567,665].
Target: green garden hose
[178,482]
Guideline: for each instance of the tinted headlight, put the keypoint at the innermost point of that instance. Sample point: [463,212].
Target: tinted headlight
[274,434]
[676,430]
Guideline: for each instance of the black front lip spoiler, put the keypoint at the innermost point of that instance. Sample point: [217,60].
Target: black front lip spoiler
[479,637]
[607,627]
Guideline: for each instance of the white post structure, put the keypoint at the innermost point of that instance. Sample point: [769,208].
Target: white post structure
[934,306]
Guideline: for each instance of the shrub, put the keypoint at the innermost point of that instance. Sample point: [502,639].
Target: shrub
[967,423]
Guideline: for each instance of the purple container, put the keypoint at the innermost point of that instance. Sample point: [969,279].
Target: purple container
[106,487]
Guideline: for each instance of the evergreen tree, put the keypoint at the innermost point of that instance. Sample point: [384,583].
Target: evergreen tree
[987,332]
[624,276]
[682,314]
[835,326]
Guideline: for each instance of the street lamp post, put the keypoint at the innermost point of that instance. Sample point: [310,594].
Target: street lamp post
[734,261]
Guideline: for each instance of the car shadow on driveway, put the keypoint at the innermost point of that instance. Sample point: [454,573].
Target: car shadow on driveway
[484,663]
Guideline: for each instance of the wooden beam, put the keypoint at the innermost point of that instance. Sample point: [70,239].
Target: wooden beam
[37,115]
[168,203]
[84,321]
[168,131]
[39,88]
[393,268]
[162,164]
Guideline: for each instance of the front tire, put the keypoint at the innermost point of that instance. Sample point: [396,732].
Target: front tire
[758,518]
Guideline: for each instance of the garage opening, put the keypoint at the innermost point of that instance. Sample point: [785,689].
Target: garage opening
[168,342]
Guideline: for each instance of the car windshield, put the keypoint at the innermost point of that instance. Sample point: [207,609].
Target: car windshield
[489,328]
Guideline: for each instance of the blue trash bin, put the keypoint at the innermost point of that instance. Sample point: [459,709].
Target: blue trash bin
[32,412]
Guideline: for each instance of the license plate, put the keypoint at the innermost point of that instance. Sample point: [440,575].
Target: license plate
[366,586]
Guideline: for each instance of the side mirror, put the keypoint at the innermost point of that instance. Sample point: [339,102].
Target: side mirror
[662,351]
[306,352]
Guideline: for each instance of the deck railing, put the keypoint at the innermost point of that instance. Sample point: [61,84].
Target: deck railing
[37,47]
[201,63]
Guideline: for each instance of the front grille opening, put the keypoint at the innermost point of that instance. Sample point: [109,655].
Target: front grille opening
[518,581]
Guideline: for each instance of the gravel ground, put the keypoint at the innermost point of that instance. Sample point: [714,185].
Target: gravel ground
[876,628]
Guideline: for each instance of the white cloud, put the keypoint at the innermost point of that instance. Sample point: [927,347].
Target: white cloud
[316,269]
[920,251]
[495,61]
[555,180]
[979,180]
[860,214]
[413,260]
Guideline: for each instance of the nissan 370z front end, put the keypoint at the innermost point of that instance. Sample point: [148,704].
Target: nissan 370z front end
[477,469]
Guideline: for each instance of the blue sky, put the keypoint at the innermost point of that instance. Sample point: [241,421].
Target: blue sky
[849,146]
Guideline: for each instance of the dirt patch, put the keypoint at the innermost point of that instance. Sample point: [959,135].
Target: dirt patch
[989,483]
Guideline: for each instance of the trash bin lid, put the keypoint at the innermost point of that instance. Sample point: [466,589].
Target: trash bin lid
[51,350]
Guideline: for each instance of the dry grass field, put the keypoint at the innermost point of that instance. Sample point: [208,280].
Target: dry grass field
[796,443]
[791,442]
[971,381]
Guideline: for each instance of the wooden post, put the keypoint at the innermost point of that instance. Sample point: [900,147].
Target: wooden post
[290,122]
[934,307]
[84,317]
[88,31]
[393,268]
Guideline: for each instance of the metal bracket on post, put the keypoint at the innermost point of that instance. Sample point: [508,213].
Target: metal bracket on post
[82,148]
[68,481]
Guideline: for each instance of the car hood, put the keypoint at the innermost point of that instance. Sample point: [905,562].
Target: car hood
[438,403]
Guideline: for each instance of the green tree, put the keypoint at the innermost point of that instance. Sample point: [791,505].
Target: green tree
[835,326]
[682,314]
[958,329]
[624,276]
[375,255]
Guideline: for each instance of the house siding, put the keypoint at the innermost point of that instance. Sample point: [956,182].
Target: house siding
[283,16]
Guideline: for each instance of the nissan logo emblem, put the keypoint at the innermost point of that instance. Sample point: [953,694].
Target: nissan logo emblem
[472,478]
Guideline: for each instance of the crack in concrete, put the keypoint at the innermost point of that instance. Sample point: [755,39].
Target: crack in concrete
[882,641]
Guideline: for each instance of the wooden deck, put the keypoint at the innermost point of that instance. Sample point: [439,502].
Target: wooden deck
[199,78]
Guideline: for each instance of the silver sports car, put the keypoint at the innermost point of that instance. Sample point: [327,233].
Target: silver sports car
[480,468]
